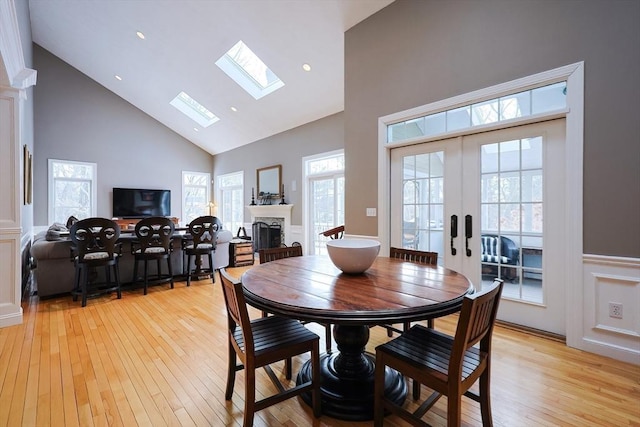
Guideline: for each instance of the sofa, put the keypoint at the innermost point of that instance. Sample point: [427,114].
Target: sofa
[54,271]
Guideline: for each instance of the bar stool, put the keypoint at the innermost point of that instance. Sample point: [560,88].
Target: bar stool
[153,242]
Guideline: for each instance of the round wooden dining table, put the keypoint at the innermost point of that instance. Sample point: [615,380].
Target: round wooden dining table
[311,288]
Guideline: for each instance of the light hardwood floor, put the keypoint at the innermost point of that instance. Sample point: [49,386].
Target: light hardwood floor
[160,359]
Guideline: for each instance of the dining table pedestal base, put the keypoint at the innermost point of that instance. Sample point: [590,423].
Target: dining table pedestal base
[348,377]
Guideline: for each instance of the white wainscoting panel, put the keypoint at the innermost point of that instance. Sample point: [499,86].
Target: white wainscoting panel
[610,280]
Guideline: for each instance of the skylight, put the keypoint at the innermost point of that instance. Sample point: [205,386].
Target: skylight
[246,69]
[194,110]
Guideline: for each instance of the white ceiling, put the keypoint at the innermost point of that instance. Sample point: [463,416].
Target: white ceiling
[183,40]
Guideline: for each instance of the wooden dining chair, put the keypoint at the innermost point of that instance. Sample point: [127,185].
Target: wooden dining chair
[334,233]
[153,243]
[261,342]
[448,365]
[272,254]
[411,255]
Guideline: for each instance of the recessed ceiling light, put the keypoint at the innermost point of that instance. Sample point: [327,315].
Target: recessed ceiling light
[306,67]
[234,109]
[196,129]
[118,77]
[140,35]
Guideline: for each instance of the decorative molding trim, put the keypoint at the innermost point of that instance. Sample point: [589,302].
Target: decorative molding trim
[609,279]
[613,261]
[17,75]
[359,236]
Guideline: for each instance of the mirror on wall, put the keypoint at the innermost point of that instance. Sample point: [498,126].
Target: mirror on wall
[269,181]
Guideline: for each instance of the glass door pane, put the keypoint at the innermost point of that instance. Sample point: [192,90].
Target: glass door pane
[326,209]
[511,216]
[423,202]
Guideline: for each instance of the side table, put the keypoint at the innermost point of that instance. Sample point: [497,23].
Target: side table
[240,253]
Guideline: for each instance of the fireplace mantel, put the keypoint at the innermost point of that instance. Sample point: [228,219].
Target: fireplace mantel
[273,211]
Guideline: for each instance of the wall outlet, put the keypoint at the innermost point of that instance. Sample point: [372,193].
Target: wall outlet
[615,310]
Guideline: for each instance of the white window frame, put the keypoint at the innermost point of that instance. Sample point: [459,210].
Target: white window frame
[51,187]
[207,186]
[220,190]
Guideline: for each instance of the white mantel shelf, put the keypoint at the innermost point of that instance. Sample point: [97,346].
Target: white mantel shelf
[273,211]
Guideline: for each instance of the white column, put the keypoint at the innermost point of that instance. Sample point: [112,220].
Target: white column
[14,79]
[10,189]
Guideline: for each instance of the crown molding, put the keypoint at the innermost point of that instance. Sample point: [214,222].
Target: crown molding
[14,74]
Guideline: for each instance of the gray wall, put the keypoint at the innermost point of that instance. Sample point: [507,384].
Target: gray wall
[78,119]
[286,149]
[413,53]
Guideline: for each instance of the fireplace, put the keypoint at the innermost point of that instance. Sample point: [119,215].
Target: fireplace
[266,236]
[279,215]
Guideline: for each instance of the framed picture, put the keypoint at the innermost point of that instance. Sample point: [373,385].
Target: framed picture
[28,175]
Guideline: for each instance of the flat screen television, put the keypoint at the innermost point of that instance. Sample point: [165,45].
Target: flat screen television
[138,203]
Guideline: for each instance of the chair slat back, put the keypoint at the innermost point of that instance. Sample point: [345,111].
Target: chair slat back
[272,254]
[94,235]
[476,322]
[237,314]
[204,229]
[154,232]
[412,255]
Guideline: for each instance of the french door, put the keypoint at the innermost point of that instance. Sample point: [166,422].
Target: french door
[491,205]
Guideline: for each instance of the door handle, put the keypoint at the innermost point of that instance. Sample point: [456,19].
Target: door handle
[468,233]
[454,232]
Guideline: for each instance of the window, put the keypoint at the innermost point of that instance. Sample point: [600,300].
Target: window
[535,101]
[248,70]
[230,191]
[72,190]
[325,200]
[194,110]
[195,195]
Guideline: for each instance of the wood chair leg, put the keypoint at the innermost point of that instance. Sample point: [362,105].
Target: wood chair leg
[249,395]
[188,270]
[116,273]
[135,270]
[416,389]
[170,271]
[454,411]
[485,399]
[231,373]
[287,368]
[85,279]
[146,276]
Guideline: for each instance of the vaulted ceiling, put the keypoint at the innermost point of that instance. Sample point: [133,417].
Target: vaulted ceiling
[183,40]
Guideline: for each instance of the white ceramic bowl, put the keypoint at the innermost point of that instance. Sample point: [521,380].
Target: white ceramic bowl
[353,256]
